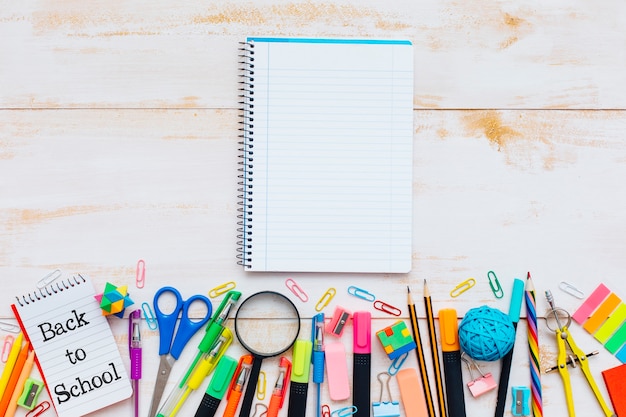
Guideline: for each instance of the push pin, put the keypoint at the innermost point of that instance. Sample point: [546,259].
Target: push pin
[521,395]
[382,408]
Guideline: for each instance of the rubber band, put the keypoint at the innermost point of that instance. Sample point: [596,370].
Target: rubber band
[221,289]
[325,300]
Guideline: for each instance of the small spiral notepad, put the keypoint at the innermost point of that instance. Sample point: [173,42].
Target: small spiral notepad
[74,347]
[327,155]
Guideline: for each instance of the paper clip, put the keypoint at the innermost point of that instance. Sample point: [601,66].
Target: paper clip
[221,289]
[9,327]
[496,289]
[39,410]
[140,274]
[296,290]
[261,385]
[462,287]
[345,411]
[361,293]
[325,410]
[149,315]
[257,407]
[6,347]
[387,308]
[571,290]
[325,300]
[49,279]
[397,363]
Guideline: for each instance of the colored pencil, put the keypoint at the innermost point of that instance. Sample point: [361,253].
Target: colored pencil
[15,376]
[8,366]
[419,351]
[26,370]
[533,348]
[434,351]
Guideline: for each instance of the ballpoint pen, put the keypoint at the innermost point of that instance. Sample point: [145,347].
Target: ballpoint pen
[280,388]
[220,381]
[134,349]
[317,357]
[451,354]
[238,384]
[193,379]
[203,361]
[300,370]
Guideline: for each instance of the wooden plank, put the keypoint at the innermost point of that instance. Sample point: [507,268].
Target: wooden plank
[154,54]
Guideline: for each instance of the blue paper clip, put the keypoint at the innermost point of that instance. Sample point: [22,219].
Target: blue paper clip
[361,293]
[496,289]
[151,320]
[345,411]
[397,363]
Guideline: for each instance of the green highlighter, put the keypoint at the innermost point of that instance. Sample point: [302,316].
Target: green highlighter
[217,387]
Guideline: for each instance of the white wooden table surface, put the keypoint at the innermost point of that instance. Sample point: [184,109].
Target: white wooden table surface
[118,142]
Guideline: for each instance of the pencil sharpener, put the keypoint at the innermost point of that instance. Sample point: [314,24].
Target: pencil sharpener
[521,397]
[482,385]
[338,322]
[32,389]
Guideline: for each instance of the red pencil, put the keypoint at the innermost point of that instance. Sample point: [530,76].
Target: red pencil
[15,375]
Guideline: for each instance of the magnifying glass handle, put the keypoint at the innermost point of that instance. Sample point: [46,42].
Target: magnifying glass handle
[248,396]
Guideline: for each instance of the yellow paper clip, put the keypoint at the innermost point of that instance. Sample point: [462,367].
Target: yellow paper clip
[39,410]
[325,300]
[6,347]
[462,287]
[296,290]
[496,289]
[140,274]
[261,385]
[49,279]
[221,289]
[387,308]
[151,320]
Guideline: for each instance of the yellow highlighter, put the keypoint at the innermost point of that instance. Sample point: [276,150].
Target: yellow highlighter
[8,367]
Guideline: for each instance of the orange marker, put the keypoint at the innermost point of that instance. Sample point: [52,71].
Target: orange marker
[237,385]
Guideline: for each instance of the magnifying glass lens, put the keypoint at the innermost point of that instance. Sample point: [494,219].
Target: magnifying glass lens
[267,324]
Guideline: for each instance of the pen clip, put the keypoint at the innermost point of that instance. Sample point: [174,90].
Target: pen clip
[317,331]
[284,373]
[242,372]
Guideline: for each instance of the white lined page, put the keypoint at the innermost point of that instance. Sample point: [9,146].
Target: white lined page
[332,136]
[93,342]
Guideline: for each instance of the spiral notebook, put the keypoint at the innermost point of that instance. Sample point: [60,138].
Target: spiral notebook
[74,347]
[326,182]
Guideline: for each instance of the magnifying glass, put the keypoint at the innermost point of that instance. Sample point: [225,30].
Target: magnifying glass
[266,324]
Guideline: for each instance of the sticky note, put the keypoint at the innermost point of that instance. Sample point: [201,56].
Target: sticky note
[601,314]
[610,326]
[591,303]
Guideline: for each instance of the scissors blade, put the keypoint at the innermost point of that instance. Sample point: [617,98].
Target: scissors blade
[165,367]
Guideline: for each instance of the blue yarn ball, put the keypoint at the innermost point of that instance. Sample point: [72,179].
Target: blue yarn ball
[486,334]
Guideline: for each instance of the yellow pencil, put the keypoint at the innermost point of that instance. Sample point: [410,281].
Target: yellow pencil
[26,370]
[434,351]
[8,367]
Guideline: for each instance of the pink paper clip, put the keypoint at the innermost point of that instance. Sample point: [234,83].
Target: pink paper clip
[387,308]
[296,290]
[6,347]
[140,274]
[39,410]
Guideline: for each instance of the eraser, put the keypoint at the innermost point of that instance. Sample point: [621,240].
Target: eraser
[396,339]
[338,323]
[411,393]
[337,371]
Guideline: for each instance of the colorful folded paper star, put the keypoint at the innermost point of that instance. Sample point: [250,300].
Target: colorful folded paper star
[114,300]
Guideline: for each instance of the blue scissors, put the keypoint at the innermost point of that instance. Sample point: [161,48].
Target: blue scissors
[172,340]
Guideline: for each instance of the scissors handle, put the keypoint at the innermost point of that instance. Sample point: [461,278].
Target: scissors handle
[187,327]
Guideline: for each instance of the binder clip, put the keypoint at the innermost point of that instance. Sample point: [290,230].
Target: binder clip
[521,396]
[385,408]
[481,385]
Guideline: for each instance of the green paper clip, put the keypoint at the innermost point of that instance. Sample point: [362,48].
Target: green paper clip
[32,389]
[496,289]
